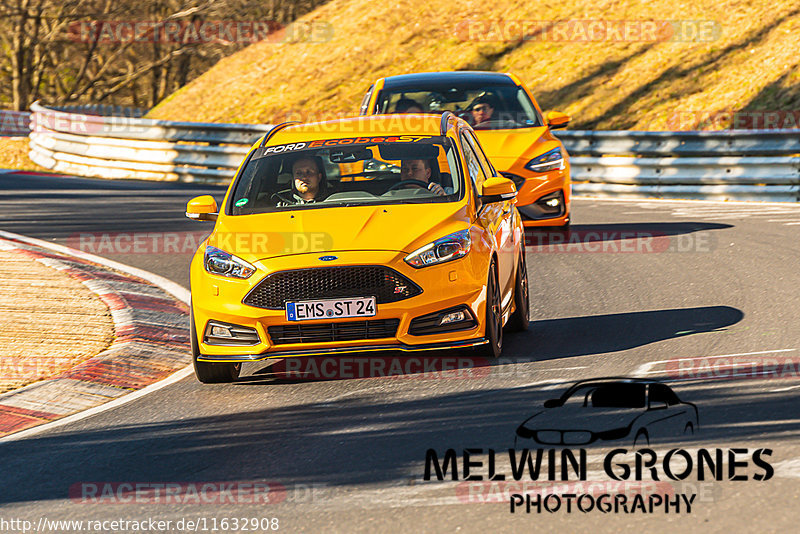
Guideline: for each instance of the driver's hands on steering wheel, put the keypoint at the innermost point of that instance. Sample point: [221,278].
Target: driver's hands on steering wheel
[436,189]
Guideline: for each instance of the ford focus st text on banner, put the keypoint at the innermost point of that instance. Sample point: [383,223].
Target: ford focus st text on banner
[509,124]
[383,233]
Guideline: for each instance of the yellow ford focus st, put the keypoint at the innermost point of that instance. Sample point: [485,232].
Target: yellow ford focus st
[382,233]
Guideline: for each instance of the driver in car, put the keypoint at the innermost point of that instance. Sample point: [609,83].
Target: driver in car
[309,183]
[420,170]
[482,109]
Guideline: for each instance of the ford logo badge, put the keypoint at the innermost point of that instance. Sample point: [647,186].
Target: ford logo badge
[328,258]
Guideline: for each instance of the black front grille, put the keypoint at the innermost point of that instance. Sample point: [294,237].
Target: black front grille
[276,289]
[323,332]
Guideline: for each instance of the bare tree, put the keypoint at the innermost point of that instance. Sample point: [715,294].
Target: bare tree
[70,51]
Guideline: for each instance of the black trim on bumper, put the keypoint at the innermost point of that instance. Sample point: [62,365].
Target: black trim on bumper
[402,347]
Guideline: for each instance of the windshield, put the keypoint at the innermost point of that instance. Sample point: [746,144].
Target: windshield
[338,172]
[482,106]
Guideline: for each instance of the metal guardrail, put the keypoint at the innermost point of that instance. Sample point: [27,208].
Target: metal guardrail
[720,165]
[134,148]
[729,165]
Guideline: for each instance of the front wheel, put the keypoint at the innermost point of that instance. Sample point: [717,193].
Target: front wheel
[206,372]
[494,317]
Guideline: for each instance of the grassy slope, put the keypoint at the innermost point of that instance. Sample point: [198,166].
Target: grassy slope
[637,85]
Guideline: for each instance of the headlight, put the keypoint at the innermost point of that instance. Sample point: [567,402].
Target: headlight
[549,161]
[222,263]
[451,247]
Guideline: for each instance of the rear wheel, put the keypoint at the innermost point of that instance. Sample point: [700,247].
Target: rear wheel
[494,317]
[210,373]
[519,321]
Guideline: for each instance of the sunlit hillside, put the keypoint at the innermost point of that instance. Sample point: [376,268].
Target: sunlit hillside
[732,55]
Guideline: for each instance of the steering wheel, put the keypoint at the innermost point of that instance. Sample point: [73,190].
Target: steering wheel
[401,183]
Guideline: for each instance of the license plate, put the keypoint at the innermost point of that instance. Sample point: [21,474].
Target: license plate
[311,310]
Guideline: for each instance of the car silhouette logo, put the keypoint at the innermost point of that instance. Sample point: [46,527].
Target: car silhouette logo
[610,409]
[328,258]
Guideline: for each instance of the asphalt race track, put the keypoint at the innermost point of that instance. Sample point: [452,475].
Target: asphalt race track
[643,284]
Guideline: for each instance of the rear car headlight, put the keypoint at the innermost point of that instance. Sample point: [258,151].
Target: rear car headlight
[217,261]
[447,248]
[549,161]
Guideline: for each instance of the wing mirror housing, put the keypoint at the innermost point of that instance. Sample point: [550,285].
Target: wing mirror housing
[498,189]
[202,208]
[556,119]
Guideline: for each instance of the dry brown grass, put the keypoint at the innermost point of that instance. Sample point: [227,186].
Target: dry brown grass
[604,85]
[14,154]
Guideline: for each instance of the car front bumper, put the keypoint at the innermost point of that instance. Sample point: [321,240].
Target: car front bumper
[460,282]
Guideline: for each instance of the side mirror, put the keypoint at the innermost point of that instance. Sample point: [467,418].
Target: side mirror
[556,119]
[202,208]
[552,403]
[498,189]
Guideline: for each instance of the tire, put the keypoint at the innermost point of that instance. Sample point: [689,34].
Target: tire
[206,372]
[519,320]
[494,317]
[641,439]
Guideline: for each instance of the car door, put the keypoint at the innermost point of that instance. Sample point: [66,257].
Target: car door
[668,418]
[507,242]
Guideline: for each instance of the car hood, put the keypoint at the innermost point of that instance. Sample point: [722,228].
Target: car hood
[398,228]
[523,143]
[580,418]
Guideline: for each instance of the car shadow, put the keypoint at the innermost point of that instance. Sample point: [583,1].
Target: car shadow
[599,334]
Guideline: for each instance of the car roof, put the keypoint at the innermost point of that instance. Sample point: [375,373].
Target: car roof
[370,125]
[453,77]
[611,380]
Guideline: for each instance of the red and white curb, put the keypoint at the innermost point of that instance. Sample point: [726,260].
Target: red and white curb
[151,343]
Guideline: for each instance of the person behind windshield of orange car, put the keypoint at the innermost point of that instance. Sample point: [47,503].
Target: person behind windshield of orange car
[482,108]
[407,105]
[309,183]
[420,170]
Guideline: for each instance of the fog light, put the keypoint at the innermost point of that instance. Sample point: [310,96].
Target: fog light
[447,320]
[220,331]
[553,202]
[454,317]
